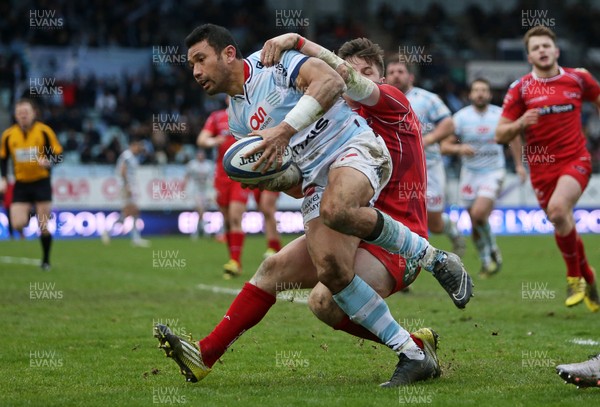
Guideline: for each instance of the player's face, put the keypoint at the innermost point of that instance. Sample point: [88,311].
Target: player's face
[480,94]
[542,52]
[25,115]
[366,69]
[209,68]
[397,75]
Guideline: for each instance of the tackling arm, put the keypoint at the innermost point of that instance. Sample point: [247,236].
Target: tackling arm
[359,88]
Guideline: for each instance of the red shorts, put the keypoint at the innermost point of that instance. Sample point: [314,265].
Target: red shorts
[394,264]
[544,182]
[230,191]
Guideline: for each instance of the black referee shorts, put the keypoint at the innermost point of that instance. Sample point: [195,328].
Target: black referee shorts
[30,192]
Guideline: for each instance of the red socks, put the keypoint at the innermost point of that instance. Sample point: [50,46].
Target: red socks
[248,308]
[274,244]
[584,267]
[235,242]
[568,248]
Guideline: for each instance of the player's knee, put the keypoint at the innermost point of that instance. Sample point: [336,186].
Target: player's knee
[336,216]
[557,213]
[320,302]
[329,270]
[478,218]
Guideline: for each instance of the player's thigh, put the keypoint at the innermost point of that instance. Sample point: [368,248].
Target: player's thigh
[373,272]
[481,208]
[332,254]
[347,187]
[19,214]
[130,209]
[290,268]
[566,194]
[267,201]
[435,223]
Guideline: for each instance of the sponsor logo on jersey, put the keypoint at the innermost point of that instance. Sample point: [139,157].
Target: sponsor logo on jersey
[553,109]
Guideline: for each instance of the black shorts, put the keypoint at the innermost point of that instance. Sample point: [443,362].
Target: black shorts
[30,192]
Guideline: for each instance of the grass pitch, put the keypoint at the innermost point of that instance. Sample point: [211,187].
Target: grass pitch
[81,335]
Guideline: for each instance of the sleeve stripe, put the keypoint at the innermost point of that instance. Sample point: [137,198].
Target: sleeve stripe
[296,71]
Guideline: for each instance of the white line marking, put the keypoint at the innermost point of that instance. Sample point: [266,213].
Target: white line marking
[298,296]
[582,341]
[20,260]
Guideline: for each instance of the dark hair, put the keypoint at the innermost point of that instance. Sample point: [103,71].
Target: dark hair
[365,49]
[217,37]
[538,31]
[481,80]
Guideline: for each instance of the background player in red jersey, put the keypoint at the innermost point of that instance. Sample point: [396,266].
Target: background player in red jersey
[545,107]
[232,198]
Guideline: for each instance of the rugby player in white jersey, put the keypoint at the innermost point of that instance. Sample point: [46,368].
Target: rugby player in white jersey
[343,167]
[483,168]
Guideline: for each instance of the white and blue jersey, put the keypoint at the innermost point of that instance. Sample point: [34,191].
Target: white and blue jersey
[477,129]
[270,93]
[430,110]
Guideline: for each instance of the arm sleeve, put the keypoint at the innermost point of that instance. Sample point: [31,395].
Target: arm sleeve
[4,154]
[513,106]
[591,89]
[438,111]
[289,66]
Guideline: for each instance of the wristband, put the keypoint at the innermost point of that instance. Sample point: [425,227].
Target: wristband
[300,43]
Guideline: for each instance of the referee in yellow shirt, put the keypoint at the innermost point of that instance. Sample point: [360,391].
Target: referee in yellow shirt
[33,149]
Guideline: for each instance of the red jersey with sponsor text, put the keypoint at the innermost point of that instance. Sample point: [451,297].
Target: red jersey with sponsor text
[217,123]
[558,137]
[404,197]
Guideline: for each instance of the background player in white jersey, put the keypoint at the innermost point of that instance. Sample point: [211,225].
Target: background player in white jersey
[483,168]
[198,170]
[436,125]
[126,168]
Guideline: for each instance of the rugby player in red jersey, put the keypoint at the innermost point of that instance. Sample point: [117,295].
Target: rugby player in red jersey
[545,107]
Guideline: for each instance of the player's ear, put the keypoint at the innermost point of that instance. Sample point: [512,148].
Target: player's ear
[382,80]
[229,53]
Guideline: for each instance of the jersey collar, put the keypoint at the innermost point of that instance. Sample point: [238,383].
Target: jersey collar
[561,71]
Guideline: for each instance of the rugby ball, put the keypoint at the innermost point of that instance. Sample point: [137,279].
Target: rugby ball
[239,168]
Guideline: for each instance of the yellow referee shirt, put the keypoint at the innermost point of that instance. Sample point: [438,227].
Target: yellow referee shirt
[25,149]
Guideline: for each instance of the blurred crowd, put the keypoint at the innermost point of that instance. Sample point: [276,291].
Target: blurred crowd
[95,116]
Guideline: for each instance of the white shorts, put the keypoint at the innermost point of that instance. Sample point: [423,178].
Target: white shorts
[130,199]
[436,186]
[476,184]
[366,153]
